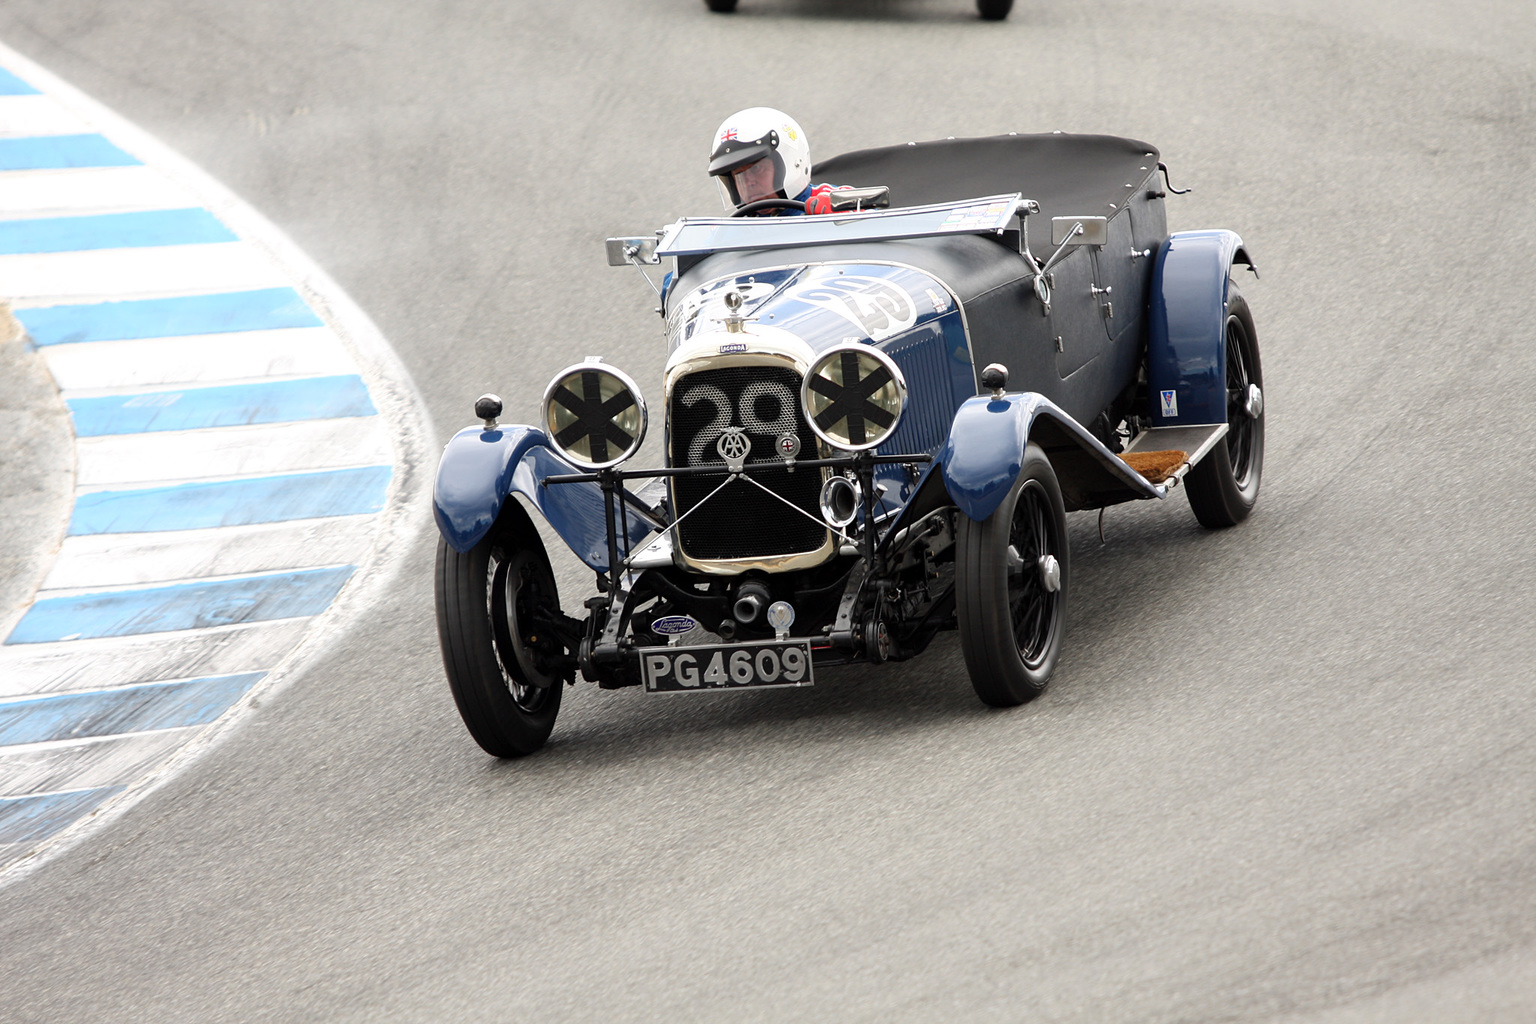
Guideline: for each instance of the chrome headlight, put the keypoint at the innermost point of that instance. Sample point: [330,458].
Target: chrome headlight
[594,414]
[853,396]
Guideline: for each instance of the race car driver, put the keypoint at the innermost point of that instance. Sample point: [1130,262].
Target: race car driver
[761,153]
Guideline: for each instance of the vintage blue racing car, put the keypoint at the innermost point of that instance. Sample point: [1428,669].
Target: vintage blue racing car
[875,422]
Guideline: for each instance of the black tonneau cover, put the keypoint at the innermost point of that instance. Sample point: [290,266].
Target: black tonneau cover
[1089,175]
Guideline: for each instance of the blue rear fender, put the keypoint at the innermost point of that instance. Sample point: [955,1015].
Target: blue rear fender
[1186,342]
[480,468]
[985,450]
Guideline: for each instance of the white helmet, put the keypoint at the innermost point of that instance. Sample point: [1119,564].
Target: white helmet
[751,143]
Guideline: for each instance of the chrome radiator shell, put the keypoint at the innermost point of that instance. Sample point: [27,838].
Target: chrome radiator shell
[743,527]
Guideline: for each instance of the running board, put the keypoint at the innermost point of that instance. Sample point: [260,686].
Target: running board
[1164,454]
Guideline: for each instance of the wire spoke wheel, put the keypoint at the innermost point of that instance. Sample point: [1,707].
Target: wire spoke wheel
[1011,587]
[501,663]
[1225,485]
[516,588]
[1240,432]
[1033,607]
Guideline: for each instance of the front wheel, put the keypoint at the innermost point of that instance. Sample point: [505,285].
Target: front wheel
[993,10]
[1011,572]
[502,665]
[721,6]
[1224,486]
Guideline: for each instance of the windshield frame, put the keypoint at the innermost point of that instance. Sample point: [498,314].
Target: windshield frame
[694,236]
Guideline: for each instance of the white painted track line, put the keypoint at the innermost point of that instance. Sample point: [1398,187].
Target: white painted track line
[91,664]
[200,359]
[38,115]
[34,279]
[85,190]
[85,764]
[128,459]
[135,559]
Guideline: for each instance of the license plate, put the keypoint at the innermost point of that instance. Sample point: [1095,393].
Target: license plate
[726,666]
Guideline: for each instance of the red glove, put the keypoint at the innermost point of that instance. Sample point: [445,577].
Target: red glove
[820,200]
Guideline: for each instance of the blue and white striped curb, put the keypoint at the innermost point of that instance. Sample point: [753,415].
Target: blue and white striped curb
[235,476]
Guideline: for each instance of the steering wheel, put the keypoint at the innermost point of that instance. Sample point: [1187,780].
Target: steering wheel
[770,204]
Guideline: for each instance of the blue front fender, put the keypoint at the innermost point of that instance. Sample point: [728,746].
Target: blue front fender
[480,468]
[985,450]
[1186,344]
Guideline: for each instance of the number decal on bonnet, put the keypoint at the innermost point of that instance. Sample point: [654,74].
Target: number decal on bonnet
[876,306]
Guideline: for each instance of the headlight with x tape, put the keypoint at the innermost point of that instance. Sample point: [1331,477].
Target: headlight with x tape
[594,414]
[853,396]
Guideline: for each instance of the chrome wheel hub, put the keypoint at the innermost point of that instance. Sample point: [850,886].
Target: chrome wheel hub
[1253,405]
[1050,573]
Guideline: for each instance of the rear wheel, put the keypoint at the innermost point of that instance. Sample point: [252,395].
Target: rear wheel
[1224,486]
[721,6]
[501,665]
[994,10]
[1011,587]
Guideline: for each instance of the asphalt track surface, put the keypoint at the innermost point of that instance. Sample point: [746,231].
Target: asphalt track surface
[1284,773]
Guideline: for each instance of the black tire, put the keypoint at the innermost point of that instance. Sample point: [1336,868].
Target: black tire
[1011,622]
[721,6]
[993,10]
[1224,486]
[497,667]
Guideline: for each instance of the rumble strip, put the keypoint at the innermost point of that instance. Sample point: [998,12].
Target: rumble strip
[247,457]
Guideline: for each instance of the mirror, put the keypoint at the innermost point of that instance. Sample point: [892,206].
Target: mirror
[623,251]
[876,197]
[1095,231]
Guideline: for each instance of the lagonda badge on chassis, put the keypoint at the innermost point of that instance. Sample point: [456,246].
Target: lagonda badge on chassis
[594,414]
[853,396]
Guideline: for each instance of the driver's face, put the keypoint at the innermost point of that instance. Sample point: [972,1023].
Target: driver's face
[754,181]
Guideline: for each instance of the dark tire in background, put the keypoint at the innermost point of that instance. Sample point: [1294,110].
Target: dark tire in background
[993,10]
[1011,574]
[1224,486]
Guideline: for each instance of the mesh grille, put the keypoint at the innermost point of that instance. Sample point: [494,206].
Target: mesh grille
[742,521]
